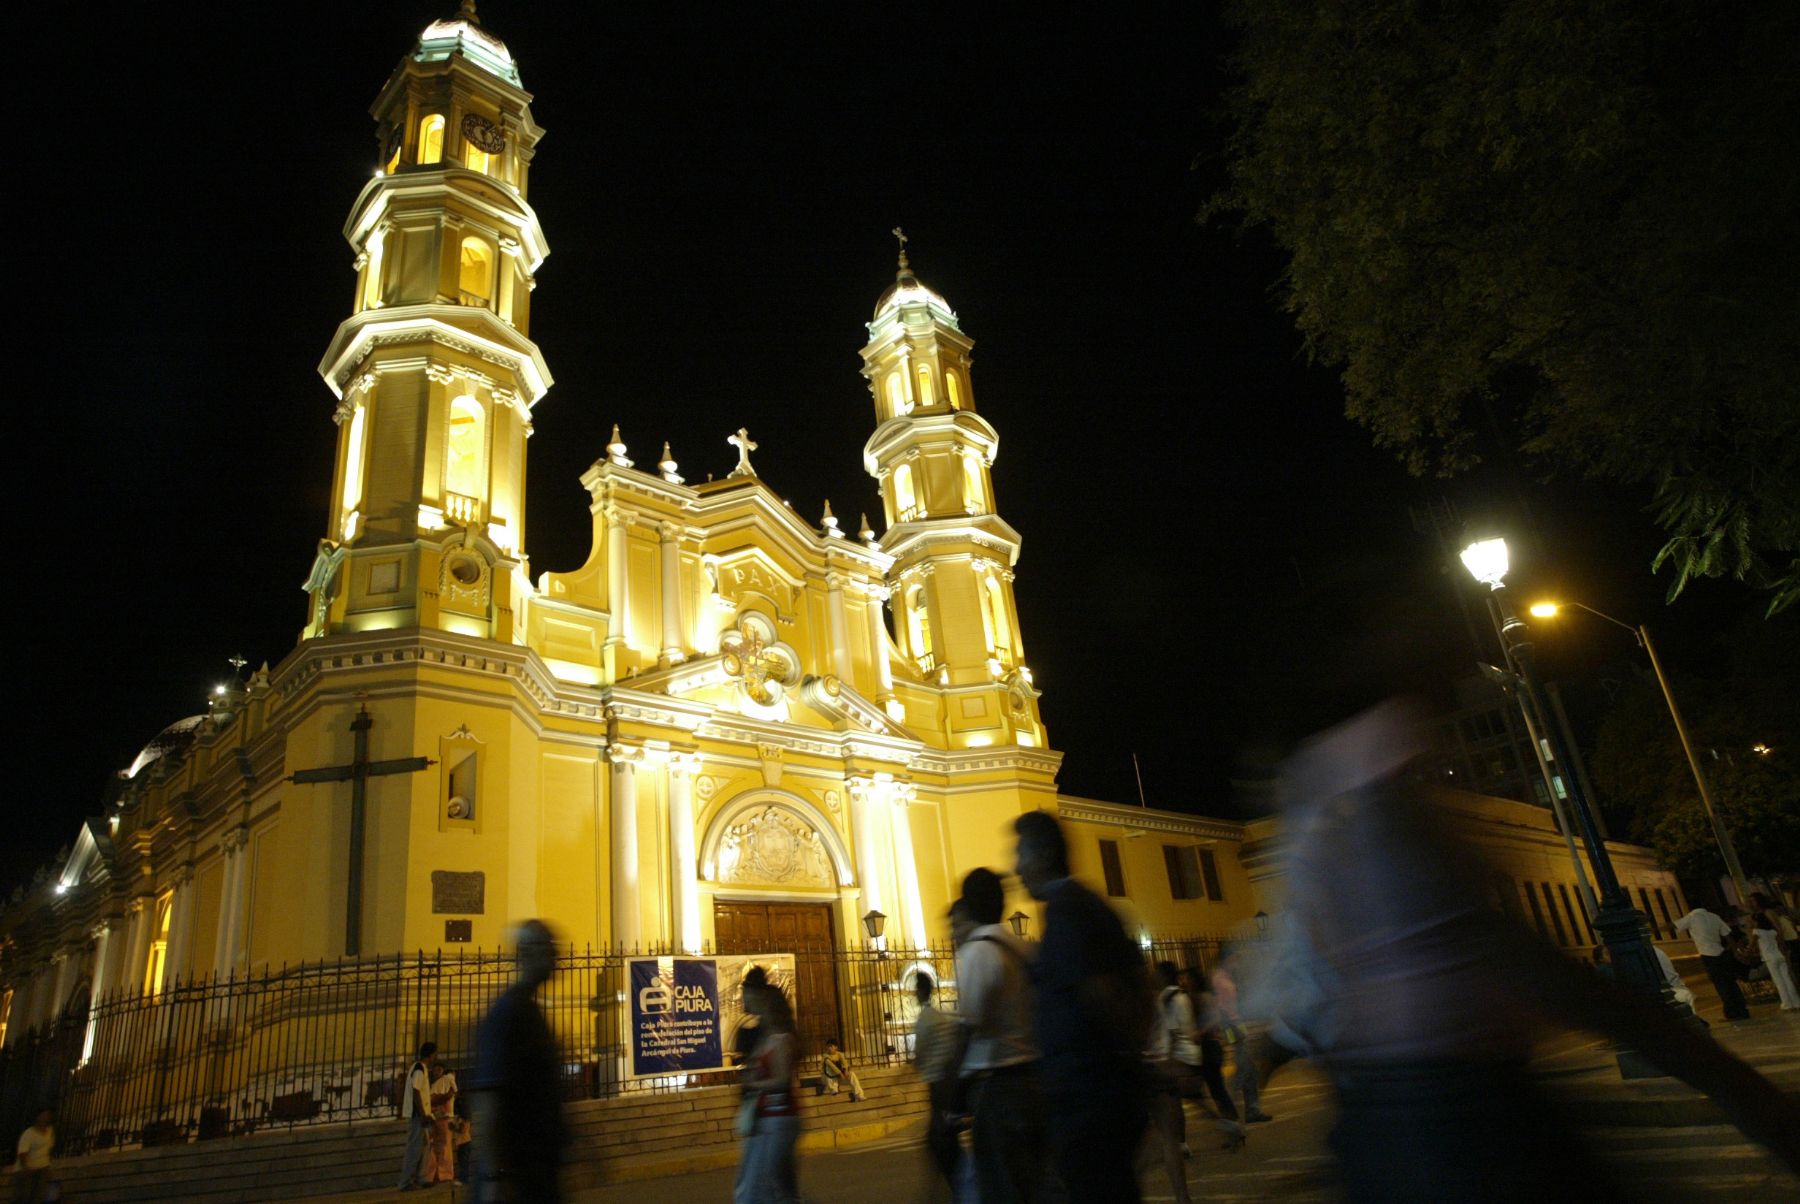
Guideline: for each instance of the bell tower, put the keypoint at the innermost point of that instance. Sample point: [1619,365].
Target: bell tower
[434,369]
[951,581]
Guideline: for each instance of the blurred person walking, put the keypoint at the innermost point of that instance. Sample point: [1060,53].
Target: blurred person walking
[1710,935]
[415,1109]
[31,1162]
[1207,1020]
[1094,1011]
[937,1052]
[516,1088]
[1000,1068]
[767,1171]
[1434,999]
[1234,1034]
[1166,1074]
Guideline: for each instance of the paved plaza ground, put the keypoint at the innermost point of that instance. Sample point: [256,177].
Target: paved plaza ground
[1662,1137]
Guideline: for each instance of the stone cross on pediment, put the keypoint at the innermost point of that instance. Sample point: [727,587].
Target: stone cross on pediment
[745,446]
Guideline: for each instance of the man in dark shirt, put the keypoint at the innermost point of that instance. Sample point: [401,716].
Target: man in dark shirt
[1092,1010]
[519,1132]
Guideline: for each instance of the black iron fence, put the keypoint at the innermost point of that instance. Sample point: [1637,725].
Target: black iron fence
[330,1042]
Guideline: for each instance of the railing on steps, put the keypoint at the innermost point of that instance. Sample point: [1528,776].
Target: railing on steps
[330,1042]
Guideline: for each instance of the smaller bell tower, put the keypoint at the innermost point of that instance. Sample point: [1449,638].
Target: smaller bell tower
[434,369]
[952,577]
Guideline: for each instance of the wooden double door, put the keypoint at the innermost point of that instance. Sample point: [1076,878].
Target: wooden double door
[804,930]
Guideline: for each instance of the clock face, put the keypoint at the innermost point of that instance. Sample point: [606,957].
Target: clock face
[483,134]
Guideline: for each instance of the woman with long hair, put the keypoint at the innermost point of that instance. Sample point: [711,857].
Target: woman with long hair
[766,1172]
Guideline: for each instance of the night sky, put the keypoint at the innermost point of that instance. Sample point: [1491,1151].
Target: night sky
[1215,560]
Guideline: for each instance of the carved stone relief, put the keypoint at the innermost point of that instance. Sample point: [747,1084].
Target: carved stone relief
[773,847]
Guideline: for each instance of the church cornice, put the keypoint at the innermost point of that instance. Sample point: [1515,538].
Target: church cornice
[383,195]
[409,325]
[1174,823]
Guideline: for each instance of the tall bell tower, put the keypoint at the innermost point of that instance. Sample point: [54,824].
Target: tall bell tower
[951,581]
[434,369]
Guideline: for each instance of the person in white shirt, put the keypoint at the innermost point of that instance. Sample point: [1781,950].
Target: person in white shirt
[1708,932]
[1677,987]
[993,978]
[415,1109]
[1768,943]
[32,1169]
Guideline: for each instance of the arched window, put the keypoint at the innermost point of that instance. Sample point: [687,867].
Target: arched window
[953,387]
[158,964]
[477,159]
[925,395]
[431,139]
[465,455]
[353,465]
[906,503]
[896,393]
[476,282]
[918,631]
[974,496]
[994,620]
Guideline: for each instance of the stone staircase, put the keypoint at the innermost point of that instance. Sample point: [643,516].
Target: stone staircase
[631,1137]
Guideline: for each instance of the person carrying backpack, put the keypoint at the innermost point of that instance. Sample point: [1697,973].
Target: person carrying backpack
[1094,1013]
[1166,1074]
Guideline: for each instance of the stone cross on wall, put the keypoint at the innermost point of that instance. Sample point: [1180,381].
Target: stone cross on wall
[745,446]
[357,773]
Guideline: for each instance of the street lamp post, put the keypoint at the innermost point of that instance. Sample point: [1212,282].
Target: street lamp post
[1728,851]
[1619,924]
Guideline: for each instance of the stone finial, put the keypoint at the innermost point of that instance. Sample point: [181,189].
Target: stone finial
[830,523]
[667,467]
[865,532]
[615,450]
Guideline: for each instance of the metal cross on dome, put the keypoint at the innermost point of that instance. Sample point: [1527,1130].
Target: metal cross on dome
[745,446]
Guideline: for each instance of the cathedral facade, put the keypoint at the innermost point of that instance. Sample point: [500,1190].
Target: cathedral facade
[731,725]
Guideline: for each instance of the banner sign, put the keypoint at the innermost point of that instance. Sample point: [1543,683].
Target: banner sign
[683,1013]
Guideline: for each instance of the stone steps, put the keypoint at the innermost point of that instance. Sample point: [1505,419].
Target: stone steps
[632,1136]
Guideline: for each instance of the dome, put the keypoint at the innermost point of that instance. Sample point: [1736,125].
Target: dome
[174,738]
[906,291]
[463,34]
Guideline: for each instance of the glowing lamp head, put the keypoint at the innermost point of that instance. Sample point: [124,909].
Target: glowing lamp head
[1545,610]
[1486,561]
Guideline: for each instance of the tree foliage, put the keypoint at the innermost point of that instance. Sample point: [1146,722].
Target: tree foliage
[1644,779]
[1577,216]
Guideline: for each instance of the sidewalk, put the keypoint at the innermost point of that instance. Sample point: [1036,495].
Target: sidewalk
[1666,1141]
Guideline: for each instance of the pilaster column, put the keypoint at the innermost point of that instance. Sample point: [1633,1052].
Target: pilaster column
[231,903]
[673,652]
[626,912]
[865,803]
[906,869]
[181,931]
[842,663]
[103,981]
[66,963]
[618,590]
[137,950]
[685,873]
[878,644]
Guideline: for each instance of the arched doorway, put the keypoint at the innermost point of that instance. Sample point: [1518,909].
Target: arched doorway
[777,864]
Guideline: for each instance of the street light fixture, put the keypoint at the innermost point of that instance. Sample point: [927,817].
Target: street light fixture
[874,924]
[1619,924]
[1549,610]
[1019,921]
